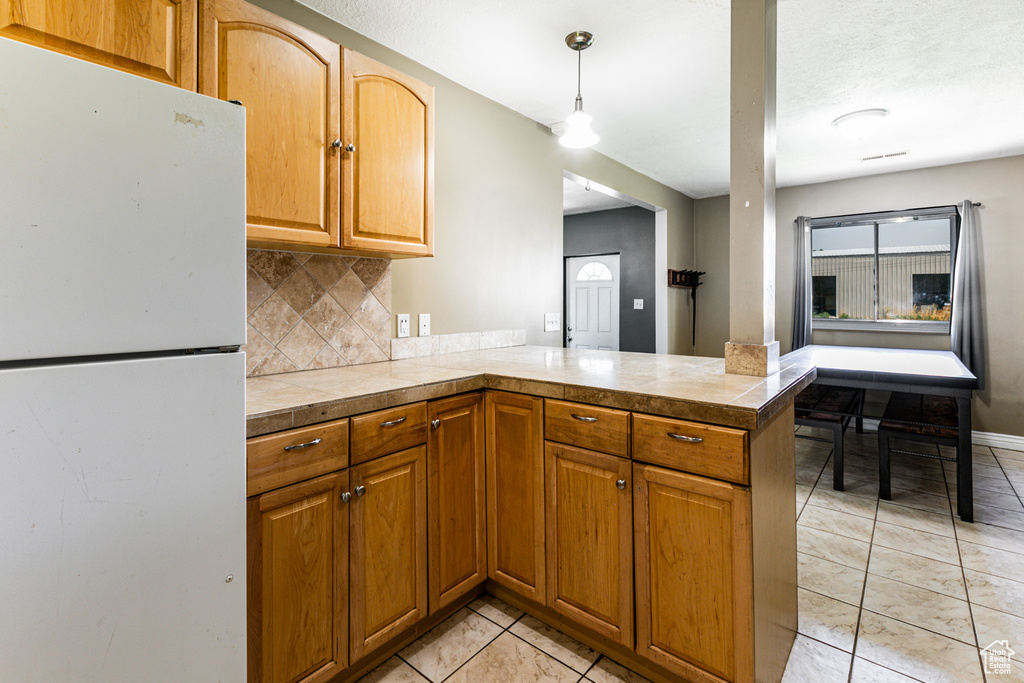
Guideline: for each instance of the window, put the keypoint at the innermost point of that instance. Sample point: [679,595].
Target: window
[595,270]
[824,303]
[883,271]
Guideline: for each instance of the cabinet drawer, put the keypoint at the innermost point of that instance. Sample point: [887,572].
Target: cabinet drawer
[597,429]
[280,459]
[717,452]
[388,431]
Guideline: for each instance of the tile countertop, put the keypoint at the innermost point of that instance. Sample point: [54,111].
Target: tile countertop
[686,387]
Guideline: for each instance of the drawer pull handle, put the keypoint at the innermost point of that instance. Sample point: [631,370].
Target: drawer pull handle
[687,439]
[392,423]
[300,446]
[582,418]
[620,484]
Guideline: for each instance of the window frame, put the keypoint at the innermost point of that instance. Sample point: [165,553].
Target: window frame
[876,219]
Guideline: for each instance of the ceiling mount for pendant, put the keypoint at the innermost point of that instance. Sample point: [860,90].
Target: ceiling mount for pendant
[579,40]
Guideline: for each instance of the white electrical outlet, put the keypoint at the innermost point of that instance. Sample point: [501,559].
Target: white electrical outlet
[638,304]
[424,324]
[551,322]
[403,325]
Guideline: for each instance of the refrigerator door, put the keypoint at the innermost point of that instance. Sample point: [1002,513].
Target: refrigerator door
[122,515]
[122,212]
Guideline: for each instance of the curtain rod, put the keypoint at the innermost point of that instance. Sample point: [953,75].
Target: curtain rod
[975,203]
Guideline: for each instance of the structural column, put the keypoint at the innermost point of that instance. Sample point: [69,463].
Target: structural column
[752,349]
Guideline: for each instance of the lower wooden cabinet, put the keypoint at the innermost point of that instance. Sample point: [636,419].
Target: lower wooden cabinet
[298,581]
[388,562]
[693,574]
[590,540]
[515,493]
[455,498]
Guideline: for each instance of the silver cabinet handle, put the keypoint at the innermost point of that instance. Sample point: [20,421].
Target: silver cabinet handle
[435,423]
[687,439]
[300,446]
[620,484]
[346,497]
[336,144]
[392,423]
[238,102]
[360,491]
[581,418]
[350,147]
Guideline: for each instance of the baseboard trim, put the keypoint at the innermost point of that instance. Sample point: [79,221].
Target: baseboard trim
[1008,441]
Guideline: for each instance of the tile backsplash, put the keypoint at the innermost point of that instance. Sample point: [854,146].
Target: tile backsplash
[309,311]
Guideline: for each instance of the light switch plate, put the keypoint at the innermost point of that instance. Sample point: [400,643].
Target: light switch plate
[638,304]
[403,325]
[424,324]
[551,322]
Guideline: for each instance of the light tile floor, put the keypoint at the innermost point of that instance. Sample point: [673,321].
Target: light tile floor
[889,591]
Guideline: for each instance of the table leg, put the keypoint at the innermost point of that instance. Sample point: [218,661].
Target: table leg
[965,459]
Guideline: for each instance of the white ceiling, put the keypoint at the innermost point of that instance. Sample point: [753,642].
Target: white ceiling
[656,80]
[576,198]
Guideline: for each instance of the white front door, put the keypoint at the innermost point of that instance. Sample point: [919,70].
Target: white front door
[592,302]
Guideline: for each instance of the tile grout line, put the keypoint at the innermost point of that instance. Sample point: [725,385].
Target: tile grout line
[863,591]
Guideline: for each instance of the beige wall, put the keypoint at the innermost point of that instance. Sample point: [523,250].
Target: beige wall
[498,209]
[995,183]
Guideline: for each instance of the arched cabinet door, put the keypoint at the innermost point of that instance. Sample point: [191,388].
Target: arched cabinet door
[388,172]
[289,81]
[150,38]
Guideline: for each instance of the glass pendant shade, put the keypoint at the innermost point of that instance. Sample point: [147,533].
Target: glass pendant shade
[579,134]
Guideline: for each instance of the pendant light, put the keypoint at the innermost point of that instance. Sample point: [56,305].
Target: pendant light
[578,133]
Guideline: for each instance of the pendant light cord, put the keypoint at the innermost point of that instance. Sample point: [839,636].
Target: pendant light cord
[579,68]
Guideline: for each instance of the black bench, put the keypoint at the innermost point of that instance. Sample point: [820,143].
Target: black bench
[830,407]
[921,418]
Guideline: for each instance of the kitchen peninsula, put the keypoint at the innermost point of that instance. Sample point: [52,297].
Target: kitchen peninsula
[643,504]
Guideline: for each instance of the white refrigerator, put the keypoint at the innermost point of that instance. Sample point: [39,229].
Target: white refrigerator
[122,391]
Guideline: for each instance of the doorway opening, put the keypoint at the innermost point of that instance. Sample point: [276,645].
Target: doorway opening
[609,233]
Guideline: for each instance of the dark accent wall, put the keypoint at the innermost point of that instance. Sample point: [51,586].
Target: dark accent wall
[630,233]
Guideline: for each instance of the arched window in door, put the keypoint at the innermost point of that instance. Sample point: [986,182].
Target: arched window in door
[595,270]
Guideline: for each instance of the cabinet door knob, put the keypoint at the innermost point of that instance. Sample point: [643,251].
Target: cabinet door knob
[360,491]
[346,497]
[336,144]
[350,147]
[435,423]
[620,484]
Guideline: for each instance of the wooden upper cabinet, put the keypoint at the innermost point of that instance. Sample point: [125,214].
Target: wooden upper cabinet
[694,605]
[590,540]
[515,493]
[298,582]
[150,38]
[388,567]
[388,178]
[289,81]
[455,498]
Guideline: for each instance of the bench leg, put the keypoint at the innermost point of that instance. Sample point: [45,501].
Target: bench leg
[837,457]
[964,462]
[884,490]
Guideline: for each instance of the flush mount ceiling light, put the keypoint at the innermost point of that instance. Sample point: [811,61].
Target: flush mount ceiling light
[578,133]
[860,124]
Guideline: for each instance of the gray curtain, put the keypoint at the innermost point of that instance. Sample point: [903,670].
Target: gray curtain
[802,288]
[967,333]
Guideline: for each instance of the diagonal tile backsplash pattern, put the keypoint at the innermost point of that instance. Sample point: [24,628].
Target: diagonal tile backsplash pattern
[308,311]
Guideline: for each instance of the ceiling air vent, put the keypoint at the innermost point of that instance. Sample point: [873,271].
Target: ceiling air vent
[890,155]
